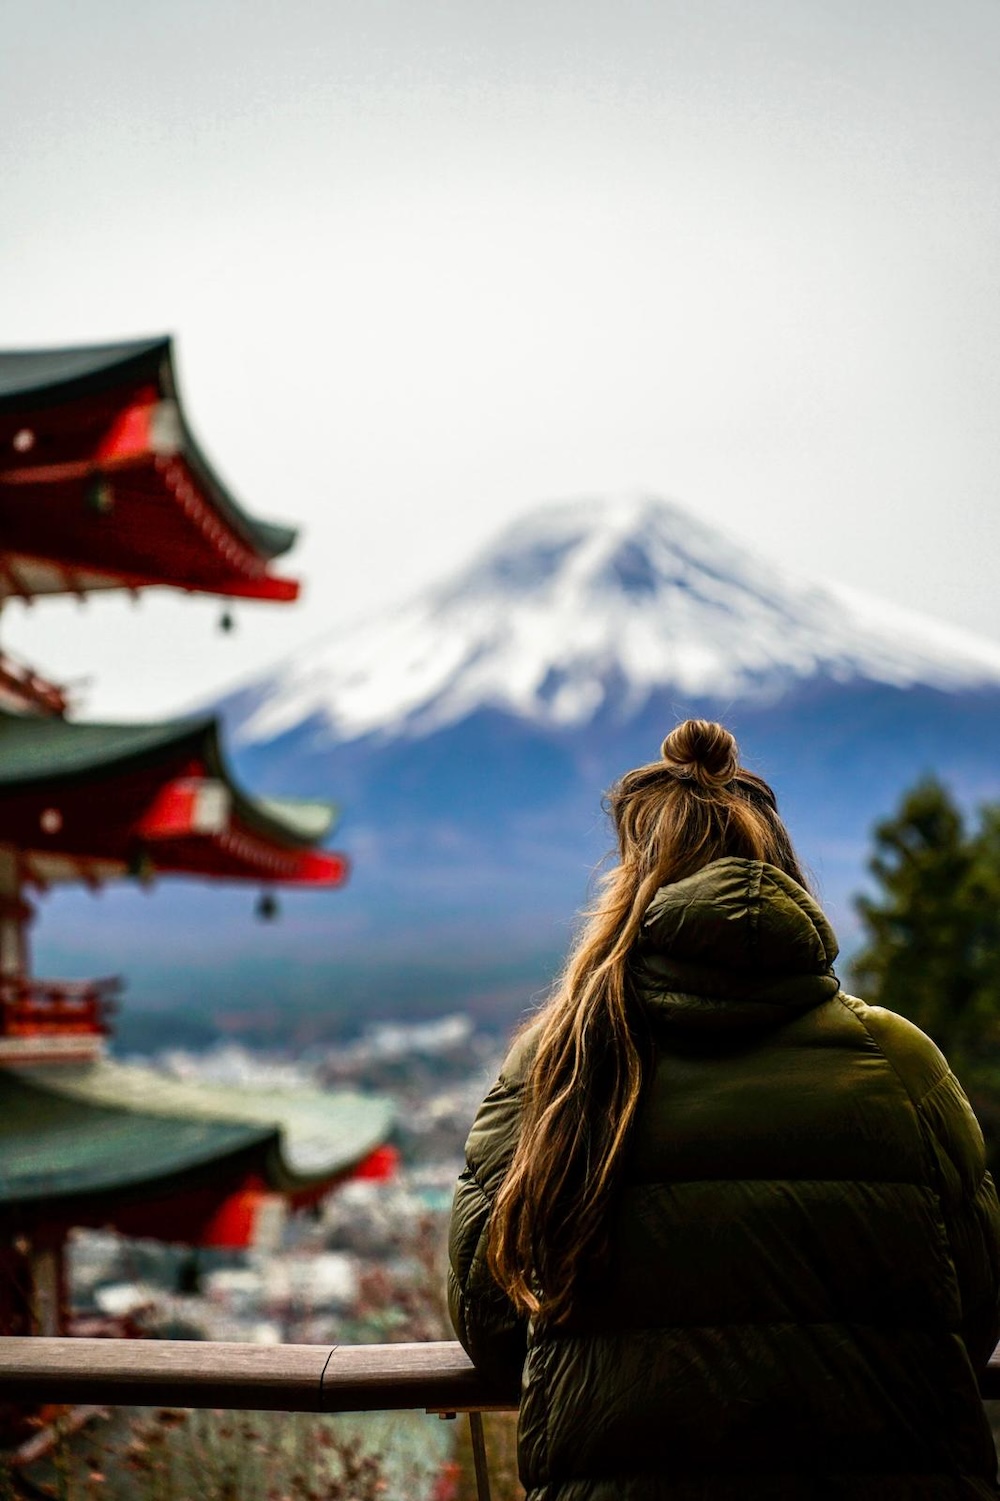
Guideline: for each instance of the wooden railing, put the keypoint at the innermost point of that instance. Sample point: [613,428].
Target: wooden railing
[435,1377]
[257,1378]
[439,1378]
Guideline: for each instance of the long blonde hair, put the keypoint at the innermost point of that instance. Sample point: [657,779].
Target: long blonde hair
[549,1225]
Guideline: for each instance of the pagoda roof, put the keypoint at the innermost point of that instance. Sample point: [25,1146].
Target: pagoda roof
[56,1146]
[96,801]
[50,376]
[105,1131]
[37,749]
[102,484]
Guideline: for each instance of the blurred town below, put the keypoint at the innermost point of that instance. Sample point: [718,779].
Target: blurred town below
[366,1264]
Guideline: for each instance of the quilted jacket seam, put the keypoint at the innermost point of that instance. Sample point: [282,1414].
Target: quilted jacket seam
[911,1100]
[475,1179]
[547,1409]
[923,1125]
[945,1079]
[477,1259]
[917,1103]
[755,876]
[628,1330]
[463,1306]
[644,1183]
[635,1472]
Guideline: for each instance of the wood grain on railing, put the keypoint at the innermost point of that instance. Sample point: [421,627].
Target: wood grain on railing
[438,1377]
[280,1378]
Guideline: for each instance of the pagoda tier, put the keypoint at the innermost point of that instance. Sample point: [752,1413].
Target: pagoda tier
[102,485]
[95,802]
[95,1141]
[108,1145]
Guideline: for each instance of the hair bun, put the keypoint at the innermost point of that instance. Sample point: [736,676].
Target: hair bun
[701,751]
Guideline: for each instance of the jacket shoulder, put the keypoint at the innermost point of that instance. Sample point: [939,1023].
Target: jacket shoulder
[918,1061]
[493,1137]
[941,1103]
[517,1064]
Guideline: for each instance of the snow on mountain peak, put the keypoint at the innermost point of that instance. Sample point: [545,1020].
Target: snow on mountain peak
[597,603]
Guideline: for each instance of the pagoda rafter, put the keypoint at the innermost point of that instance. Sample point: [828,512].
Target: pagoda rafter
[103,486]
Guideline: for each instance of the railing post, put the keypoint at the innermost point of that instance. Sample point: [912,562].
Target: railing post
[479,1460]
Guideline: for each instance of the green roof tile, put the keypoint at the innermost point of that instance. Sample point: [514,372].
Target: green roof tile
[72,1129]
[55,1146]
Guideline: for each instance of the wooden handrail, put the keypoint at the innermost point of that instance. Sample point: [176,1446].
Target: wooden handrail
[438,1377]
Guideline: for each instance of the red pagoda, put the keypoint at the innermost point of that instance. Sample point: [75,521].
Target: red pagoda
[102,486]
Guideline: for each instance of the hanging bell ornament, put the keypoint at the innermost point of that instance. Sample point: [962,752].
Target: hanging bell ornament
[267,908]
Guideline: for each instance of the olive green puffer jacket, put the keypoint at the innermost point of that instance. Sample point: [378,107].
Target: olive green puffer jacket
[803,1279]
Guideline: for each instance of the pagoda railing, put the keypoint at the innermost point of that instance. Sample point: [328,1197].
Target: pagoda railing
[433,1377]
[45,1008]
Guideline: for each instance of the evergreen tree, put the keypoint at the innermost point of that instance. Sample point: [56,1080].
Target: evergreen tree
[984,898]
[927,946]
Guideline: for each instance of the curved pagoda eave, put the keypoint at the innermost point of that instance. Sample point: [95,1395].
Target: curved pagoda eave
[103,486]
[59,1147]
[311,1137]
[93,802]
[106,1143]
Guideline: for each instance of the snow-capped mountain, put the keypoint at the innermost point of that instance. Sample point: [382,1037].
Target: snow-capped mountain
[469,736]
[597,605]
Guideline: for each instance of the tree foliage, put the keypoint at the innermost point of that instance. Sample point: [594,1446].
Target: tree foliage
[932,949]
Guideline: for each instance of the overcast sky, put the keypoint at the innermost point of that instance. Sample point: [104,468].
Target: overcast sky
[429,262]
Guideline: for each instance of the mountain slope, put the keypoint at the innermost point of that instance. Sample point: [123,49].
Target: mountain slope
[469,736]
[594,606]
[471,732]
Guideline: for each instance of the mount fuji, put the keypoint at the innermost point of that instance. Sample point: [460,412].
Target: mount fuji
[470,732]
[590,609]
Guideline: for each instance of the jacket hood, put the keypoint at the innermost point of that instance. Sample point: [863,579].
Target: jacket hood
[737,946]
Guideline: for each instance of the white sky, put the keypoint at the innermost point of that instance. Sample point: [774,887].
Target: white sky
[429,262]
